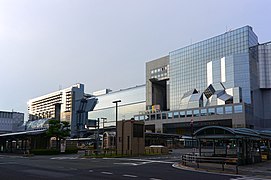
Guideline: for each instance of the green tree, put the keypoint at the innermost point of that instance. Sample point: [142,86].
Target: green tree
[59,130]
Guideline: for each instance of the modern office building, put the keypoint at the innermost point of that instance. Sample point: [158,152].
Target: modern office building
[224,80]
[10,121]
[133,101]
[70,104]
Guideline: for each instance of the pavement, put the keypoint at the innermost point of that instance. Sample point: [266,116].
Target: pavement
[70,167]
[258,170]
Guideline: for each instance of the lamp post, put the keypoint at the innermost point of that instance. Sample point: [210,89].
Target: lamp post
[98,137]
[192,131]
[116,141]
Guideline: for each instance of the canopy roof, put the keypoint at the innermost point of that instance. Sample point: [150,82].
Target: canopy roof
[219,132]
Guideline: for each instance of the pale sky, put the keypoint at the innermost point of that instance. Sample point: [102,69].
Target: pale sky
[47,44]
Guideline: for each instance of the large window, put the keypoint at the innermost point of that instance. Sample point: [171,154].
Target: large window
[182,114]
[211,111]
[176,115]
[219,110]
[196,113]
[203,112]
[169,115]
[189,113]
[164,115]
[158,116]
[228,110]
[238,108]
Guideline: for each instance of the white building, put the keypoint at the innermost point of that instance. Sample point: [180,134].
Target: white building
[10,121]
[70,104]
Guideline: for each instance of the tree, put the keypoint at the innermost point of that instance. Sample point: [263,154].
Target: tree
[59,130]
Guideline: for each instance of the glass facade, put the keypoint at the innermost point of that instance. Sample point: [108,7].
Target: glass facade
[188,65]
[133,101]
[189,113]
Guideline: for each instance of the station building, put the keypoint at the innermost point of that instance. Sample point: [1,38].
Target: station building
[221,81]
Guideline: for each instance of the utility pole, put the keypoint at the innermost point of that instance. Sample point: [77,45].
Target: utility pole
[98,137]
[116,142]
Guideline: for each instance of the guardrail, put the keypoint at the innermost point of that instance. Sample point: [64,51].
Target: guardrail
[193,158]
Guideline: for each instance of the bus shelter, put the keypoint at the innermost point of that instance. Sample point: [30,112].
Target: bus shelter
[242,143]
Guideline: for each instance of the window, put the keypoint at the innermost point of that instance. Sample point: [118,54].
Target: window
[238,108]
[189,113]
[228,109]
[203,112]
[169,115]
[196,113]
[158,116]
[219,110]
[164,116]
[211,111]
[141,118]
[176,115]
[182,114]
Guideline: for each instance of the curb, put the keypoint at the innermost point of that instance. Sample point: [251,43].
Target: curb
[179,166]
[187,168]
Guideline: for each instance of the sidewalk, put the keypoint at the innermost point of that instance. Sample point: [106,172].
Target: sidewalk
[259,170]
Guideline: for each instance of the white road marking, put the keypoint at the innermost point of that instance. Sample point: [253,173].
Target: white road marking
[155,179]
[109,173]
[143,160]
[90,171]
[134,164]
[4,163]
[248,178]
[129,175]
[73,169]
[62,158]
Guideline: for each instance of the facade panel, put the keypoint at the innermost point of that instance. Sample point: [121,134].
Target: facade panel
[133,101]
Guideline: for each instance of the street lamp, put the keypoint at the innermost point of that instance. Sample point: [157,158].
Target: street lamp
[116,142]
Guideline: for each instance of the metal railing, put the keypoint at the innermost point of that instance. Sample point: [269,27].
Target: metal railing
[195,159]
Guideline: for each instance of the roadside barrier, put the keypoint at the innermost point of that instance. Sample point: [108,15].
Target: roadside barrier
[195,159]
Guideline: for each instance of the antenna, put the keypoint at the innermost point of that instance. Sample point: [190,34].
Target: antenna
[59,87]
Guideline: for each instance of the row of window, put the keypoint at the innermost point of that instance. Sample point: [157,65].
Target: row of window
[5,115]
[158,70]
[192,113]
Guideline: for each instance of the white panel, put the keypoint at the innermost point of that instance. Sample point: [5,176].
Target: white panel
[209,73]
[223,70]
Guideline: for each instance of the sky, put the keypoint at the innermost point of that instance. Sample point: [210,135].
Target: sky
[50,44]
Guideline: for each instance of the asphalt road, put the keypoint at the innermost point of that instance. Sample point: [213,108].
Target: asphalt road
[76,168]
